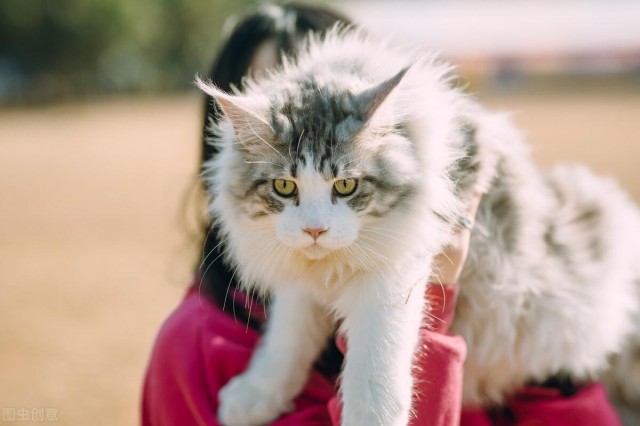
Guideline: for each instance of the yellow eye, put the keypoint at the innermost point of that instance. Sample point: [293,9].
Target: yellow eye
[284,188]
[345,187]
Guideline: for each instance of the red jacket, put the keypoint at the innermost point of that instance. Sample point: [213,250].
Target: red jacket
[200,348]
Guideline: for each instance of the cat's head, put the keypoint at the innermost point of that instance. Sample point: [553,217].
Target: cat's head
[315,162]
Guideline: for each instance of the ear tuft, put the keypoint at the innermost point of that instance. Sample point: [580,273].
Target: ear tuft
[368,102]
[241,112]
[208,87]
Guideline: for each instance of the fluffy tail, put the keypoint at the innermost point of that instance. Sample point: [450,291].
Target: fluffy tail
[623,377]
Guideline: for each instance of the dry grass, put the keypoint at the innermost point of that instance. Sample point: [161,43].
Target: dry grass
[92,255]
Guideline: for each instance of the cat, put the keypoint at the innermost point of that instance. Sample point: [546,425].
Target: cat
[344,172]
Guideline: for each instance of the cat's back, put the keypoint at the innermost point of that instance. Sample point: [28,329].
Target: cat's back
[594,220]
[564,307]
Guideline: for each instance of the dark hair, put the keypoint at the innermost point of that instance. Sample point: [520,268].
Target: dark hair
[283,25]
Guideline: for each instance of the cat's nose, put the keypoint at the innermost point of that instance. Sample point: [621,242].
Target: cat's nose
[315,232]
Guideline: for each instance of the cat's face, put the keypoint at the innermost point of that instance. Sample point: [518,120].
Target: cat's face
[318,212]
[313,167]
[318,194]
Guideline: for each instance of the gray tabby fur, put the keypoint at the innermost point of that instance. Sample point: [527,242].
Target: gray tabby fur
[552,289]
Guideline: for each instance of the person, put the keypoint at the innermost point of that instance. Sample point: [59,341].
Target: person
[211,335]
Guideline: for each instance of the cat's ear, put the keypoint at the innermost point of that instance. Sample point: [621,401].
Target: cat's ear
[368,102]
[241,111]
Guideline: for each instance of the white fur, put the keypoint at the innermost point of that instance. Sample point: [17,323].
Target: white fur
[523,317]
[368,273]
[297,331]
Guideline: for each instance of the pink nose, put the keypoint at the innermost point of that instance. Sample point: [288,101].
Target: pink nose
[315,232]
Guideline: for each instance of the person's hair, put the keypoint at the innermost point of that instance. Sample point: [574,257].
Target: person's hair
[284,25]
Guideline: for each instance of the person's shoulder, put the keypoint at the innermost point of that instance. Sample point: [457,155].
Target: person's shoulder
[174,377]
[197,327]
[181,332]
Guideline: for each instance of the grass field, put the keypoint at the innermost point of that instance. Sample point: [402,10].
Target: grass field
[93,253]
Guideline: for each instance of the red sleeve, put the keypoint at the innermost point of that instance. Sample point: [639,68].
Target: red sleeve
[198,350]
[589,406]
[439,364]
[175,390]
[543,406]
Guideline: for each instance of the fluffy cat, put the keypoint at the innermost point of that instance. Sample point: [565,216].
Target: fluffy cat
[340,177]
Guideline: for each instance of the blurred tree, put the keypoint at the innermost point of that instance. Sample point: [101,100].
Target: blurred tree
[60,48]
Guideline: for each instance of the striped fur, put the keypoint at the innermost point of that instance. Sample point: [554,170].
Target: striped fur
[551,289]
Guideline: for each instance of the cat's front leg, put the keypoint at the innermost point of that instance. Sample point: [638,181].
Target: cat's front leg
[382,329]
[297,330]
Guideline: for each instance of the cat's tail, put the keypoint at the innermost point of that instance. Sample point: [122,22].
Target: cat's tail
[598,214]
[623,377]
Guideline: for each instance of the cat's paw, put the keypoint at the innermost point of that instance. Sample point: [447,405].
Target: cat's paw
[245,401]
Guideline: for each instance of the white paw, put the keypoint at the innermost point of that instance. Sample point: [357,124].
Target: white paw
[245,401]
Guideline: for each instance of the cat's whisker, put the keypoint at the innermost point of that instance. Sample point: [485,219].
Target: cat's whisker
[288,256]
[427,312]
[226,294]
[447,257]
[248,122]
[290,156]
[331,145]
[366,157]
[202,277]
[356,256]
[369,261]
[439,277]
[249,300]
[354,159]
[382,229]
[261,250]
[373,267]
[206,237]
[374,239]
[282,265]
[385,230]
[351,255]
[267,247]
[368,245]
[383,234]
[211,252]
[223,252]
[358,158]
[373,251]
[266,162]
[354,173]
[298,144]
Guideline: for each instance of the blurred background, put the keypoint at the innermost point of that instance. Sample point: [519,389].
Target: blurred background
[99,145]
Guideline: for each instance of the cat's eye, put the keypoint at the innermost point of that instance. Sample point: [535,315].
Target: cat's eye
[284,187]
[345,187]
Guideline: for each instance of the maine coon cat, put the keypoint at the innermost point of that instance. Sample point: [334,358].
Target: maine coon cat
[341,176]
